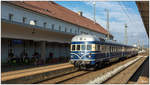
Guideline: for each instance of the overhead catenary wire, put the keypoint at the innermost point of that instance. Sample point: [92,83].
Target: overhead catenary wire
[124,10]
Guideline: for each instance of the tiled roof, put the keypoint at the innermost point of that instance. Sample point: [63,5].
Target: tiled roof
[55,10]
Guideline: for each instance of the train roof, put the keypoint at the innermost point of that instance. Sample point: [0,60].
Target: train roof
[116,43]
[87,37]
[84,37]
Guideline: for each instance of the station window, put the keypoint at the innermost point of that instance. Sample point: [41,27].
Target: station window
[53,25]
[65,29]
[70,30]
[10,17]
[35,22]
[89,47]
[73,47]
[59,28]
[24,19]
[75,31]
[78,47]
[44,24]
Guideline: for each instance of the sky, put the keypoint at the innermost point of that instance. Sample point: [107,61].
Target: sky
[120,13]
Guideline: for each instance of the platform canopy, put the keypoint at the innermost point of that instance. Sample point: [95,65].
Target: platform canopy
[143,7]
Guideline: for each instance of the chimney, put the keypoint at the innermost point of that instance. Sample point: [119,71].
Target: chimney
[80,13]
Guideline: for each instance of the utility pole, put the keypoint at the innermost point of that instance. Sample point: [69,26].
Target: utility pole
[126,36]
[143,45]
[107,24]
[138,44]
[94,4]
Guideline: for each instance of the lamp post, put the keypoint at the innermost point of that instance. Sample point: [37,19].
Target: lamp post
[94,4]
[126,37]
[107,24]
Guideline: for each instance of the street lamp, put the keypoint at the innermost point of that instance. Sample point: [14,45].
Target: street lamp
[32,22]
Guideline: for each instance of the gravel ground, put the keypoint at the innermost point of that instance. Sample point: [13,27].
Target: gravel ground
[92,75]
[124,75]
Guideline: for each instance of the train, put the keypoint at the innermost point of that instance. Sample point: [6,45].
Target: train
[91,52]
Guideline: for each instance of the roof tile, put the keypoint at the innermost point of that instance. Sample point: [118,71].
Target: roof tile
[55,10]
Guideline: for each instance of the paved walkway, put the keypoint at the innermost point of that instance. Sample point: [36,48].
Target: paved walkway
[8,68]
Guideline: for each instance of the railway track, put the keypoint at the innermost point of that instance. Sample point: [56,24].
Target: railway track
[81,77]
[64,78]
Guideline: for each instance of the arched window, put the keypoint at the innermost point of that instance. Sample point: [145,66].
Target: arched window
[11,17]
[44,24]
[24,19]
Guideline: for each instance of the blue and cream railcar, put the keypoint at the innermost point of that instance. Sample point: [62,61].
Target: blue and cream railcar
[84,50]
[90,51]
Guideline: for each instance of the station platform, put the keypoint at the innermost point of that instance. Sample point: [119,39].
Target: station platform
[141,76]
[7,68]
[144,77]
[30,74]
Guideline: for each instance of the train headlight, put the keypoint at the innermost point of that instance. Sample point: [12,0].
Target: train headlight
[89,56]
[71,56]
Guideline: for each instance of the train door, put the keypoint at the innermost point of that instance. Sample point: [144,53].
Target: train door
[122,51]
[109,50]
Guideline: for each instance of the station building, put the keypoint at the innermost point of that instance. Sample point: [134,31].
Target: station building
[42,26]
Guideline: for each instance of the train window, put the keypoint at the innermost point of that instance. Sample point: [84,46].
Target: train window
[98,47]
[73,47]
[106,48]
[110,49]
[89,47]
[113,49]
[82,47]
[78,47]
[102,48]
